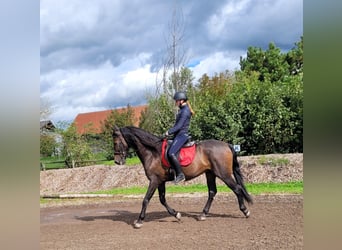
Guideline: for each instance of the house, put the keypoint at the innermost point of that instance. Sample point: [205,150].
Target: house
[48,130]
[91,122]
[47,126]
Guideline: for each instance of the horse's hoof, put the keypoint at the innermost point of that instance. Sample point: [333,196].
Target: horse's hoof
[202,217]
[137,224]
[178,216]
[247,214]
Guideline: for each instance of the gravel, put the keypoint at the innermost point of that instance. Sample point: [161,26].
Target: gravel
[255,169]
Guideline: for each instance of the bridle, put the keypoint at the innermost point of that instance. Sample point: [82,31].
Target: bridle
[122,152]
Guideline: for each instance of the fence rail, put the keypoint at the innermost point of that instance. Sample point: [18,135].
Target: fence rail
[68,164]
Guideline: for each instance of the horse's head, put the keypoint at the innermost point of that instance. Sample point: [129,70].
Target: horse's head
[120,146]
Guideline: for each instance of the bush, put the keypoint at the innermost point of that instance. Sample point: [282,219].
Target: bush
[75,146]
[48,145]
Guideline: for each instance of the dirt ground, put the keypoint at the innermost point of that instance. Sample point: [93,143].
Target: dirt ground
[276,221]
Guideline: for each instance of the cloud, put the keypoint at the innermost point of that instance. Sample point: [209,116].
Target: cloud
[78,34]
[100,88]
[216,63]
[103,54]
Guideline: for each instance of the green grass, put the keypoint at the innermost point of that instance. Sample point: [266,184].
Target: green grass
[258,188]
[253,189]
[271,188]
[133,161]
[43,201]
[58,162]
[53,162]
[264,160]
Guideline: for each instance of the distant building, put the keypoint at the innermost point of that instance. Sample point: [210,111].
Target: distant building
[91,122]
[48,129]
[47,126]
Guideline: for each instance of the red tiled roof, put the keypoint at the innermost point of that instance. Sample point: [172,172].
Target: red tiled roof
[91,122]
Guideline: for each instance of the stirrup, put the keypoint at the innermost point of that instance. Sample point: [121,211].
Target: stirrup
[179,178]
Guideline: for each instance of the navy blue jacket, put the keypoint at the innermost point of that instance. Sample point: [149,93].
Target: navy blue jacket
[182,123]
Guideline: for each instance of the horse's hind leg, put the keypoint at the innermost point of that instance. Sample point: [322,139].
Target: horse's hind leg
[237,189]
[212,190]
[161,191]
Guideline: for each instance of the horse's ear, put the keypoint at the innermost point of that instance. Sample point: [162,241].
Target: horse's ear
[115,129]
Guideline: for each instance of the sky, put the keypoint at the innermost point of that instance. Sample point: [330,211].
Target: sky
[104,54]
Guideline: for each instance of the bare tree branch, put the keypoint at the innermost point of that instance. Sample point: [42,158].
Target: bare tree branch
[46,109]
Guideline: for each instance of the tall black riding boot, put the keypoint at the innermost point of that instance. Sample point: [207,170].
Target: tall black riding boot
[175,164]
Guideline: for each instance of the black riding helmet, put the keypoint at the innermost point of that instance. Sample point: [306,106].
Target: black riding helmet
[180,95]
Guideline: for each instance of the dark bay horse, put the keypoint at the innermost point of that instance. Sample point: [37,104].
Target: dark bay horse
[214,158]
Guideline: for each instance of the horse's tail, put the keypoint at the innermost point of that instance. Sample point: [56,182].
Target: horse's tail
[238,176]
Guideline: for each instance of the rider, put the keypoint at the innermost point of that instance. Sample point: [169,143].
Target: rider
[180,131]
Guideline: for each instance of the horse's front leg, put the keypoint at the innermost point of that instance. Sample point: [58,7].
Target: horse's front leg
[162,199]
[150,191]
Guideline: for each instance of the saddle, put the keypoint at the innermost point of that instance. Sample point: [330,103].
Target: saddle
[185,156]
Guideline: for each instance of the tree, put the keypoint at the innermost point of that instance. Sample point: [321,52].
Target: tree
[174,77]
[270,113]
[275,98]
[212,121]
[259,107]
[262,116]
[158,116]
[273,65]
[176,55]
[121,119]
[295,58]
[45,109]
[48,145]
[75,146]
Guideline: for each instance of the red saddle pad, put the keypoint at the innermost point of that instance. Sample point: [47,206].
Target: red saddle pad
[186,155]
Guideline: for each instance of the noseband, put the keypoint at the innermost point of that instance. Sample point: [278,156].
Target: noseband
[121,151]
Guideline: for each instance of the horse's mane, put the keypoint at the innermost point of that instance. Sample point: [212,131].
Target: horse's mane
[147,139]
